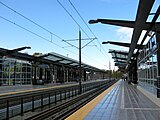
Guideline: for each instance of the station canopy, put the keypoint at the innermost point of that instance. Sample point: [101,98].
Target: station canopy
[140,23]
[120,57]
[69,61]
[49,58]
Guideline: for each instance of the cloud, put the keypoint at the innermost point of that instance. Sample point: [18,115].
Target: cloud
[124,34]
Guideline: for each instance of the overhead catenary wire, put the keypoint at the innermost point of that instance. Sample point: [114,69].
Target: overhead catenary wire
[30,20]
[80,26]
[82,18]
[35,24]
[73,19]
[18,25]
[34,33]
[88,28]
[42,37]
[95,61]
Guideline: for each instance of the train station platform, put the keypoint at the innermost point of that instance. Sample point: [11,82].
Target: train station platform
[122,101]
[10,90]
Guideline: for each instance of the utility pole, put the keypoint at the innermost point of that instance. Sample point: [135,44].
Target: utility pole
[109,71]
[80,49]
[80,71]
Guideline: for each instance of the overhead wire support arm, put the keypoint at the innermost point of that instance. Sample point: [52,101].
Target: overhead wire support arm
[81,39]
[70,44]
[89,42]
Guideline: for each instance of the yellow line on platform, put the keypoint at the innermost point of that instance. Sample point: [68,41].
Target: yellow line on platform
[84,111]
[36,89]
[31,90]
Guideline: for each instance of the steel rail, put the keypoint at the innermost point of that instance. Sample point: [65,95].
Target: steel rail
[66,108]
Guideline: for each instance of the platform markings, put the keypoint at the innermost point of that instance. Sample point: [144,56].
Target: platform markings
[123,103]
[122,98]
[142,109]
[84,111]
[32,90]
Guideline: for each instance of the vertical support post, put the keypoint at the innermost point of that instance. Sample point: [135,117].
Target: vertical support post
[21,105]
[55,97]
[64,75]
[65,94]
[60,95]
[55,73]
[75,91]
[32,103]
[109,71]
[67,75]
[158,63]
[72,92]
[7,112]
[45,75]
[69,93]
[35,75]
[14,80]
[80,81]
[40,73]
[41,100]
[49,98]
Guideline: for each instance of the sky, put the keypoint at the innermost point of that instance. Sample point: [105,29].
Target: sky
[16,31]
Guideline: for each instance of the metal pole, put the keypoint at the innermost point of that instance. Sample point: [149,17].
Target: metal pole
[109,71]
[80,74]
[158,63]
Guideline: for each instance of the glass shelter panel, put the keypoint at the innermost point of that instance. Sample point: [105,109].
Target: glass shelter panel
[14,72]
[147,66]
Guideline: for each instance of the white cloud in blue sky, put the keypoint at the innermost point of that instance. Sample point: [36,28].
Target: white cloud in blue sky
[124,34]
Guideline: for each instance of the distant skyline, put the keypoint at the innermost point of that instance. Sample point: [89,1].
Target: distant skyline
[49,14]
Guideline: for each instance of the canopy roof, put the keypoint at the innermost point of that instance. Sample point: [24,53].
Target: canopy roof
[120,57]
[49,58]
[140,23]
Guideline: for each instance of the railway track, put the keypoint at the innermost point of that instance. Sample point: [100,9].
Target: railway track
[67,107]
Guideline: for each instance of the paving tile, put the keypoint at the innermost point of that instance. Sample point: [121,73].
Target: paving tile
[136,105]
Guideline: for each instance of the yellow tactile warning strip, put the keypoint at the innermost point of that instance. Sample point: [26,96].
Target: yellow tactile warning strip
[31,90]
[84,111]
[36,89]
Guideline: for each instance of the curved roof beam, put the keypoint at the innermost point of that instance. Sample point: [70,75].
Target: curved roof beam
[125,23]
[144,9]
[123,44]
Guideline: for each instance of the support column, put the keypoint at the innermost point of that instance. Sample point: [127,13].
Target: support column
[40,73]
[158,63]
[71,75]
[1,69]
[55,73]
[35,75]
[134,72]
[61,74]
[51,73]
[14,80]
[67,75]
[84,75]
[45,74]
[64,74]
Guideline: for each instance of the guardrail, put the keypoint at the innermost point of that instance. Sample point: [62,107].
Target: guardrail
[18,104]
[66,108]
